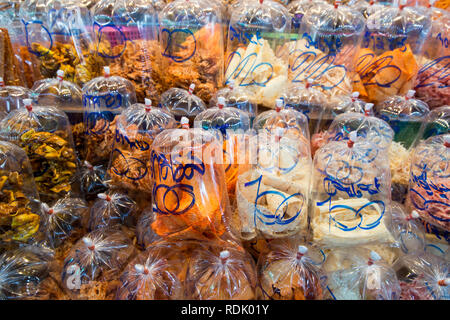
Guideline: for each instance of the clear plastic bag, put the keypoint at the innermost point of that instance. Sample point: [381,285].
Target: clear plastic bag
[423,277]
[367,126]
[291,271]
[429,192]
[103,99]
[351,194]
[432,82]
[11,97]
[126,40]
[22,270]
[60,220]
[368,7]
[189,185]
[112,209]
[399,162]
[218,272]
[254,59]
[182,103]
[308,100]
[153,275]
[136,128]
[43,132]
[19,201]
[437,122]
[232,126]
[67,97]
[144,232]
[57,37]
[405,115]
[272,196]
[94,262]
[363,276]
[407,230]
[326,48]
[92,180]
[236,97]
[297,9]
[192,46]
[391,51]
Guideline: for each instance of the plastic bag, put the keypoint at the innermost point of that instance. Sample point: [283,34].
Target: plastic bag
[10,67]
[59,221]
[125,36]
[232,126]
[437,122]
[182,103]
[153,275]
[43,132]
[429,188]
[236,97]
[325,50]
[351,194]
[423,277]
[103,99]
[272,196]
[291,271]
[432,83]
[363,276]
[11,97]
[144,232]
[22,270]
[399,161]
[367,127]
[407,230]
[254,60]
[298,9]
[19,200]
[218,272]
[136,128]
[92,180]
[192,46]
[94,262]
[57,37]
[112,209]
[405,115]
[391,50]
[67,97]
[308,100]
[189,187]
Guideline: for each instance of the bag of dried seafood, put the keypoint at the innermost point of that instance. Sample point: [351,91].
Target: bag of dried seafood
[351,193]
[192,46]
[57,36]
[66,96]
[361,274]
[291,271]
[391,50]
[125,36]
[94,262]
[182,103]
[19,200]
[112,209]
[104,98]
[43,132]
[155,274]
[423,277]
[22,270]
[232,126]
[429,188]
[60,220]
[272,196]
[190,198]
[254,59]
[221,272]
[327,44]
[136,128]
